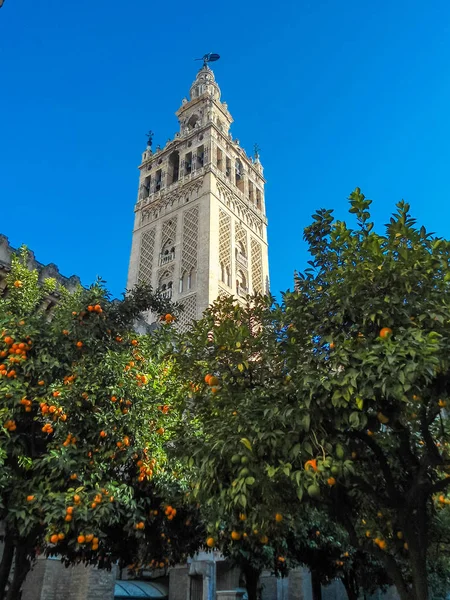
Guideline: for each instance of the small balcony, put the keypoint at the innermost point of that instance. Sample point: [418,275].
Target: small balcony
[167,294]
[166,258]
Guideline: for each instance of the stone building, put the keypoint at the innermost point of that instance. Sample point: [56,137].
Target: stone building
[200,226]
[45,271]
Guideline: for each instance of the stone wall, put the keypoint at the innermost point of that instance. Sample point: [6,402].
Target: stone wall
[50,580]
[45,271]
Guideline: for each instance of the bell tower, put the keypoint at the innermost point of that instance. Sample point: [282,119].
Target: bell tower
[200,227]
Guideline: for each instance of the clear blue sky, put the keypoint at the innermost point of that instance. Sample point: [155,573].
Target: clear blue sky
[338,94]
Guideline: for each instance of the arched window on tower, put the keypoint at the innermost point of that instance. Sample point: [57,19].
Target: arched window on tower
[145,187]
[258,199]
[191,277]
[165,285]
[193,122]
[239,175]
[167,253]
[173,167]
[241,254]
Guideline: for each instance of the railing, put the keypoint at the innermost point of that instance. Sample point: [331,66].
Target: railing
[166,258]
[242,259]
[167,294]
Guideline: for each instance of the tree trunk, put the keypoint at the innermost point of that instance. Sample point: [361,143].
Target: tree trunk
[415,530]
[22,565]
[419,574]
[5,565]
[316,586]
[251,581]
[350,587]
[395,575]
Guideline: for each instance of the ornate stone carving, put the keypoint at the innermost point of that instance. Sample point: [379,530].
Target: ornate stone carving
[182,192]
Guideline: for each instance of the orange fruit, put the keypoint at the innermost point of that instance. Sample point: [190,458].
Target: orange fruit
[79,344]
[81,539]
[207,377]
[68,518]
[94,546]
[331,481]
[214,390]
[213,381]
[264,539]
[18,284]
[278,517]
[76,498]
[69,510]
[103,434]
[385,332]
[30,498]
[235,535]
[95,540]
[89,537]
[54,538]
[210,542]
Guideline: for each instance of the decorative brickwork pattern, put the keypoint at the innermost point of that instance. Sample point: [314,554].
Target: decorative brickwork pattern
[257,267]
[189,251]
[189,313]
[146,255]
[223,293]
[169,231]
[241,237]
[225,239]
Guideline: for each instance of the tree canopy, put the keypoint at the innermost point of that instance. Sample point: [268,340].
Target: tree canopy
[337,396]
[84,411]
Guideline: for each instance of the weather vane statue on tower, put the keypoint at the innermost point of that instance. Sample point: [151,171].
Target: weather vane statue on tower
[207,58]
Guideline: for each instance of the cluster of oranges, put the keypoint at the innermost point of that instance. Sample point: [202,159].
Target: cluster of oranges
[170,513]
[164,408]
[89,538]
[51,409]
[155,563]
[146,469]
[55,538]
[26,403]
[125,442]
[69,510]
[140,525]
[5,373]
[96,308]
[68,379]
[213,382]
[70,439]
[47,428]
[141,379]
[10,425]
[17,351]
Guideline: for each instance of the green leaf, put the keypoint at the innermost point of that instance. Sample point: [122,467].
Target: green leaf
[246,443]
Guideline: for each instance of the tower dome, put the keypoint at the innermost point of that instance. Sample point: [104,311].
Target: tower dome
[205,83]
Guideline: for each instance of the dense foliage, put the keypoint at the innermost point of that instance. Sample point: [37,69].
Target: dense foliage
[84,408]
[337,397]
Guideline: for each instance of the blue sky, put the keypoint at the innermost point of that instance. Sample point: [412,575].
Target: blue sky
[337,95]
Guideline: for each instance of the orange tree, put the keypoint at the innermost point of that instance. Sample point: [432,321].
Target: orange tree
[340,394]
[234,374]
[83,413]
[366,342]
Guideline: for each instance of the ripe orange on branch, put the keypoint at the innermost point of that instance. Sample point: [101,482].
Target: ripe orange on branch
[385,332]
